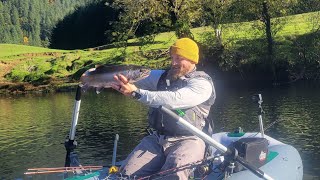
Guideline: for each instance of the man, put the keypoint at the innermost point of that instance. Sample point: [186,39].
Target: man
[186,91]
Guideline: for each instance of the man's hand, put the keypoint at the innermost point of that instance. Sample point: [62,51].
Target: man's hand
[122,85]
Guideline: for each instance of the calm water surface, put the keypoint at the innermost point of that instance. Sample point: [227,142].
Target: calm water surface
[34,127]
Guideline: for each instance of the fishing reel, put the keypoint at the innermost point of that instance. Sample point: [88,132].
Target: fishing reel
[203,170]
[211,164]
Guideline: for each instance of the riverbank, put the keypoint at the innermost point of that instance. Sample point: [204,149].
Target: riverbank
[60,86]
[26,88]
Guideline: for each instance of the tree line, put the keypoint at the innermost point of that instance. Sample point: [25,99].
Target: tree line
[86,23]
[31,22]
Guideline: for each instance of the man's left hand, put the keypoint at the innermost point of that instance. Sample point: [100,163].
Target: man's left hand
[122,85]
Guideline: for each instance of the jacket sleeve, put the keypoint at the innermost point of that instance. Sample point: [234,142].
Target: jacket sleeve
[150,82]
[197,91]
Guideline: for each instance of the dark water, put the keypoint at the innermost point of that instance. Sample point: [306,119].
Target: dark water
[33,127]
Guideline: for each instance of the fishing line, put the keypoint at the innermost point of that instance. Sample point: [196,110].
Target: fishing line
[266,128]
[277,121]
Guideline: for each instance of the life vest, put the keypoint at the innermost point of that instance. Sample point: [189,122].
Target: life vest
[196,115]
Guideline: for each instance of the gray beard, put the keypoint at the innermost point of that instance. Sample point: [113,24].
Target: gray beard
[174,74]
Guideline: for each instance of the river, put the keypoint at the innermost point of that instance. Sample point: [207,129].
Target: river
[33,127]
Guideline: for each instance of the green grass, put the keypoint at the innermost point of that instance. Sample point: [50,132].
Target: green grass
[292,25]
[15,49]
[19,61]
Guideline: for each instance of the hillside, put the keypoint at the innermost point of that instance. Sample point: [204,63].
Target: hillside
[45,68]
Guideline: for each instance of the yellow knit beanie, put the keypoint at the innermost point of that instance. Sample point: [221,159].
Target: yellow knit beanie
[186,48]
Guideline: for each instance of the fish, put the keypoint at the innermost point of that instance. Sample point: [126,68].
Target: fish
[101,76]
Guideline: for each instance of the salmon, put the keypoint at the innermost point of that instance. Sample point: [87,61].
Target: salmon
[102,76]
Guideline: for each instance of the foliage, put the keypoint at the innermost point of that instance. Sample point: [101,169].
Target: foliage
[87,26]
[77,24]
[306,50]
[17,75]
[174,14]
[295,54]
[243,52]
[304,6]
[32,20]
[214,13]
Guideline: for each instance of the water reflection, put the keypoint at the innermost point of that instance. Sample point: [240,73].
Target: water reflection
[296,108]
[32,127]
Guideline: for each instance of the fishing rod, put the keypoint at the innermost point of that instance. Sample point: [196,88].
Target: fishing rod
[231,152]
[70,143]
[164,173]
[33,171]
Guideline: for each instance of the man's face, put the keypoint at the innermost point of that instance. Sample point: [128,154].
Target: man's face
[180,66]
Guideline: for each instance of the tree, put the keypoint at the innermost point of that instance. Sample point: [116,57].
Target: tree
[214,12]
[264,11]
[303,6]
[16,28]
[182,13]
[176,14]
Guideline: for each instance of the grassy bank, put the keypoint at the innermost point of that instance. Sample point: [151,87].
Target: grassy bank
[32,68]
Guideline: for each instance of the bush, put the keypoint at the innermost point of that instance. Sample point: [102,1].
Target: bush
[16,75]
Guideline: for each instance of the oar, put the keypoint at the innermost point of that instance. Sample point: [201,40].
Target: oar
[212,142]
[70,143]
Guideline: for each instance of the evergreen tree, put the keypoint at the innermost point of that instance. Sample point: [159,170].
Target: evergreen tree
[33,19]
[16,31]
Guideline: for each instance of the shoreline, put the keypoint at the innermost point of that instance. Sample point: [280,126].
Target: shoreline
[27,88]
[9,88]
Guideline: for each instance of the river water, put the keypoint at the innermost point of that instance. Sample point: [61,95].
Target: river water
[33,127]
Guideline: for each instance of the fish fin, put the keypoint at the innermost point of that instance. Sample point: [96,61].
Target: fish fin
[89,70]
[98,65]
[84,87]
[99,89]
